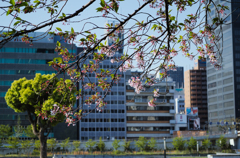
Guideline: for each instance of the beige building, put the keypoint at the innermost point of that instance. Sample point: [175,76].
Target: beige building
[196,90]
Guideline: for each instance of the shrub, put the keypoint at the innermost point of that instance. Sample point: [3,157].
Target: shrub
[141,143]
[90,144]
[222,142]
[178,143]
[206,144]
[76,145]
[100,145]
[115,144]
[126,145]
[152,144]
[192,144]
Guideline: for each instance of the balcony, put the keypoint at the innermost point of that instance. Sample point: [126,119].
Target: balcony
[148,121]
[147,111]
[172,121]
[171,90]
[172,111]
[147,132]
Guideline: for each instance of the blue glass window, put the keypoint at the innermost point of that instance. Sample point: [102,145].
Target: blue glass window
[2,94]
[22,61]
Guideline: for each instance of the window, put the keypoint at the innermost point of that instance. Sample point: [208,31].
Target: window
[22,61]
[228,80]
[211,85]
[228,96]
[212,92]
[213,99]
[228,104]
[212,107]
[211,78]
[229,112]
[228,73]
[213,114]
[228,88]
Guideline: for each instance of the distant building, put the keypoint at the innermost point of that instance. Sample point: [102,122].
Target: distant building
[18,60]
[177,76]
[179,101]
[196,90]
[159,121]
[111,122]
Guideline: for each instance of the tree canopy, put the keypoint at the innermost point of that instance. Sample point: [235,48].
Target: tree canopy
[46,99]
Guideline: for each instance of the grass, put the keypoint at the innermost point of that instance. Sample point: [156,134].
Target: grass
[169,153]
[190,157]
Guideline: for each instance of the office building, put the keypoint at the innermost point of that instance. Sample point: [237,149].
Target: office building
[196,90]
[177,76]
[111,122]
[18,60]
[224,84]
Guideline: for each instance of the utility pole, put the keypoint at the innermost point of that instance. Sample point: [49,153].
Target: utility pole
[164,146]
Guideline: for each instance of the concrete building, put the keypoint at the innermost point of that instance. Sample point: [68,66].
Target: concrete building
[224,84]
[143,120]
[18,60]
[177,76]
[196,90]
[179,101]
[111,123]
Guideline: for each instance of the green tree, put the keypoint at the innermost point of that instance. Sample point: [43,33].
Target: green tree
[52,144]
[222,142]
[90,144]
[76,145]
[101,145]
[152,143]
[126,145]
[116,144]
[29,132]
[13,143]
[5,131]
[179,143]
[41,98]
[192,144]
[37,146]
[206,144]
[141,143]
[65,144]
[25,145]
[18,129]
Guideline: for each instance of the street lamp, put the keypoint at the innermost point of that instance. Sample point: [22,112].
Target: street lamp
[164,146]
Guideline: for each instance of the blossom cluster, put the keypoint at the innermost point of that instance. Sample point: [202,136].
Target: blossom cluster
[136,84]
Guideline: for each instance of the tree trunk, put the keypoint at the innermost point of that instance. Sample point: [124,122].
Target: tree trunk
[43,147]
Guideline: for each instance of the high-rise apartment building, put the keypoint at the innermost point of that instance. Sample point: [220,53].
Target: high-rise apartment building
[18,60]
[223,85]
[196,90]
[111,122]
[147,121]
[177,76]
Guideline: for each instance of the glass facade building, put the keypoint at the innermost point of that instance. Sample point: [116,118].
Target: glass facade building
[177,76]
[223,85]
[111,122]
[18,60]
